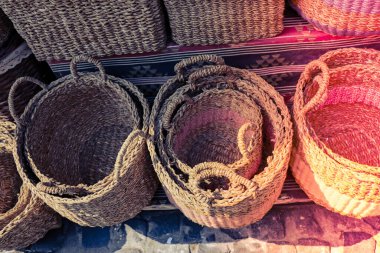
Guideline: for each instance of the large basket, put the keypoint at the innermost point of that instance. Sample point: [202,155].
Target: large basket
[81,147]
[24,218]
[208,22]
[221,142]
[63,29]
[337,156]
[341,17]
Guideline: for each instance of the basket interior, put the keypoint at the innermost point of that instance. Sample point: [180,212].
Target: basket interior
[74,140]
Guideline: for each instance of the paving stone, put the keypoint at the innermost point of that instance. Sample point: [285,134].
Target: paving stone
[312,249]
[281,248]
[210,248]
[363,243]
[312,242]
[248,246]
[271,227]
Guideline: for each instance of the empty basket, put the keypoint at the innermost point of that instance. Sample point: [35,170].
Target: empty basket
[24,218]
[81,147]
[337,156]
[221,142]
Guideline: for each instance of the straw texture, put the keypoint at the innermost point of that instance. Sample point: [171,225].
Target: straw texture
[24,218]
[336,100]
[341,17]
[81,147]
[221,142]
[63,29]
[208,22]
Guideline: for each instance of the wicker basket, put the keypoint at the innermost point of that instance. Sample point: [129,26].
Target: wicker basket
[341,17]
[24,218]
[81,147]
[63,29]
[208,22]
[221,142]
[337,156]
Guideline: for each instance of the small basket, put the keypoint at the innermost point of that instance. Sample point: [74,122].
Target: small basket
[341,17]
[24,219]
[337,156]
[221,142]
[81,147]
[209,22]
[62,29]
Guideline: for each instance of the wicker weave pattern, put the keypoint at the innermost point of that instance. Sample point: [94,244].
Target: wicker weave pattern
[63,29]
[206,144]
[207,22]
[24,218]
[336,98]
[81,147]
[342,17]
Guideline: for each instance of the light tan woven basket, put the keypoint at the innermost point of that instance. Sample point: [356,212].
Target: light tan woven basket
[81,147]
[208,22]
[24,218]
[337,98]
[221,142]
[64,29]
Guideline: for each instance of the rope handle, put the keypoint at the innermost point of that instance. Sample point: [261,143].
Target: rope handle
[12,93]
[85,58]
[180,68]
[205,72]
[309,74]
[253,144]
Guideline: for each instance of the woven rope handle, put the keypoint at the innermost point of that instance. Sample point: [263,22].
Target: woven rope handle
[180,68]
[84,58]
[206,72]
[309,74]
[244,149]
[12,93]
[54,188]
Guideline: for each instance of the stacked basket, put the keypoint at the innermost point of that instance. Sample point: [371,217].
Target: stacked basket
[341,17]
[221,142]
[337,156]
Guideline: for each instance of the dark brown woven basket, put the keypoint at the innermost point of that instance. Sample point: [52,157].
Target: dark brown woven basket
[81,147]
[208,22]
[24,218]
[63,29]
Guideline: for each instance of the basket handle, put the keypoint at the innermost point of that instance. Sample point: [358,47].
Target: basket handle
[205,72]
[54,188]
[244,149]
[309,73]
[85,58]
[12,93]
[180,68]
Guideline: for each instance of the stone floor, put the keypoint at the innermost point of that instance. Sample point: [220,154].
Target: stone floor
[286,228]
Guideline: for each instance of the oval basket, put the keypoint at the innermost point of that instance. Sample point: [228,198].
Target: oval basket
[24,219]
[341,17]
[210,22]
[81,147]
[337,156]
[63,29]
[221,142]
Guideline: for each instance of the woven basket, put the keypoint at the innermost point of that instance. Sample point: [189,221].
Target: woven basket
[208,22]
[5,28]
[63,29]
[17,63]
[24,218]
[221,142]
[341,17]
[337,98]
[81,147]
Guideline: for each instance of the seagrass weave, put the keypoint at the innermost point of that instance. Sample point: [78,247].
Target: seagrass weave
[81,147]
[221,142]
[24,218]
[341,17]
[63,29]
[208,22]
[336,102]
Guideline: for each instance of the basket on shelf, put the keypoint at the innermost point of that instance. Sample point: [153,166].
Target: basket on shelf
[209,22]
[337,156]
[341,17]
[24,218]
[63,29]
[221,142]
[81,146]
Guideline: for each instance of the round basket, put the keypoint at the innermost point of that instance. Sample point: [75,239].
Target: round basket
[341,17]
[24,218]
[81,147]
[337,155]
[221,142]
